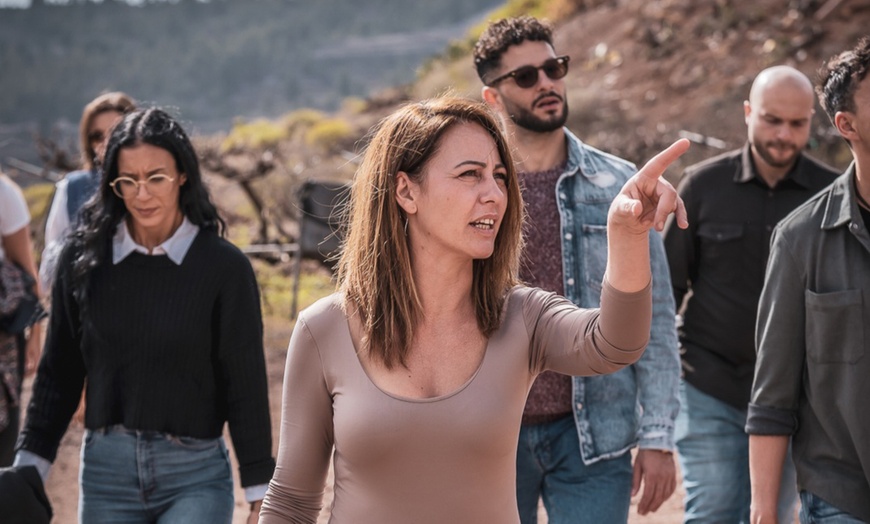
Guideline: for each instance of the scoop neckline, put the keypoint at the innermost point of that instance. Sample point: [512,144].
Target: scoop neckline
[403,398]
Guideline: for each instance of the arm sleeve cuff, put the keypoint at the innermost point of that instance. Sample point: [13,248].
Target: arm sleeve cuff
[255,493]
[657,438]
[26,458]
[762,420]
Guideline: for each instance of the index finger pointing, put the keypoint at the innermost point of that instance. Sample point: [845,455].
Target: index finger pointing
[659,163]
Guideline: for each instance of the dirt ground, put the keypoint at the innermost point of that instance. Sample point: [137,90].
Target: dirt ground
[62,484]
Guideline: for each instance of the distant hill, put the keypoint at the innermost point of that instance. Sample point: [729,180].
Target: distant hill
[215,60]
[643,72]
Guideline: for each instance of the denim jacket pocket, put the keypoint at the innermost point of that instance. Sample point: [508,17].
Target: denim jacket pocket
[834,330]
[594,256]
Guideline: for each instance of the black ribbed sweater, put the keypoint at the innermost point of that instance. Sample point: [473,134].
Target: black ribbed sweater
[170,348]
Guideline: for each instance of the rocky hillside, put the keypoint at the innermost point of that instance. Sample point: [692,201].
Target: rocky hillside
[644,72]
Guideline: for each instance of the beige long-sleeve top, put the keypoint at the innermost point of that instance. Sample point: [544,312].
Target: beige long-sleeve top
[445,459]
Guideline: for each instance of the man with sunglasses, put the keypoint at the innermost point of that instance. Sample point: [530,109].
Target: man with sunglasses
[577,433]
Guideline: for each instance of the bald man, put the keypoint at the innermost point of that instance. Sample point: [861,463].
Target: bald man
[717,270]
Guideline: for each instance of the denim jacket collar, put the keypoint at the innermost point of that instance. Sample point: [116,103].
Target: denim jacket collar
[587,161]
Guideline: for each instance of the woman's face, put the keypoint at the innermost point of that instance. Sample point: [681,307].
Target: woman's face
[150,184]
[99,129]
[458,207]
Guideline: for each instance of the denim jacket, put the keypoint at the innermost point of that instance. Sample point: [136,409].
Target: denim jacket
[638,404]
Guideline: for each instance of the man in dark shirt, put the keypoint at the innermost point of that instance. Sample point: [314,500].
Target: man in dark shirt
[813,343]
[717,265]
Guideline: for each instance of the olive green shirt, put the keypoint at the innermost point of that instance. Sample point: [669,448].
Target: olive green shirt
[812,376]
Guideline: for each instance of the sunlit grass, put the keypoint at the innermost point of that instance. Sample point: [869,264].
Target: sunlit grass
[38,198]
[276,288]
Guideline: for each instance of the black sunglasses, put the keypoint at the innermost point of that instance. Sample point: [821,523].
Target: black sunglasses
[527,76]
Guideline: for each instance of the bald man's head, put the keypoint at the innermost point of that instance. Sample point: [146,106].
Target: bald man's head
[778,115]
[777,78]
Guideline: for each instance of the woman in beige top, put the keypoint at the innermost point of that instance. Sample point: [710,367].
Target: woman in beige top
[414,375]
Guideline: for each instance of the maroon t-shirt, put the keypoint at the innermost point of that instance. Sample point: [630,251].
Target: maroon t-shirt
[550,396]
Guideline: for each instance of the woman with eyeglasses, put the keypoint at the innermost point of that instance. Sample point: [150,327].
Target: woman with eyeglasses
[162,316]
[413,377]
[98,117]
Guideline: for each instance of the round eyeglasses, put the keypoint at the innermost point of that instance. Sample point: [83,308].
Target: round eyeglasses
[527,76]
[156,185]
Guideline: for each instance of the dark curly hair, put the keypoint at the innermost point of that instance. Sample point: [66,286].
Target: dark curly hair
[500,35]
[840,76]
[91,242]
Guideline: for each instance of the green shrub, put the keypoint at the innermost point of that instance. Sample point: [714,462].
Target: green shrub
[301,120]
[258,134]
[328,134]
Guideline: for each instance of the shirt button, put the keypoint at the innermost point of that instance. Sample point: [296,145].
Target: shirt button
[568,236]
[579,406]
[854,227]
[563,196]
[570,281]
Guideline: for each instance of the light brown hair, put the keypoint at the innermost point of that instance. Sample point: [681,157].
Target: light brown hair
[374,270]
[114,101]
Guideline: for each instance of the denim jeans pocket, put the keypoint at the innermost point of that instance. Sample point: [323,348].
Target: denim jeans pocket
[815,510]
[90,437]
[194,444]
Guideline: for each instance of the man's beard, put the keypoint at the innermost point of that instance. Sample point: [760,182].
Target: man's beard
[525,119]
[764,151]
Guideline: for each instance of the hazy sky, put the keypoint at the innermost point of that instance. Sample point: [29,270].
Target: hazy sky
[26,3]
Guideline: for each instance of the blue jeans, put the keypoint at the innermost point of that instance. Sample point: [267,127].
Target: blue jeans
[816,511]
[713,449]
[134,476]
[549,466]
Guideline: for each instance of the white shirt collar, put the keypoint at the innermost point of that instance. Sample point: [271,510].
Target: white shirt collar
[175,247]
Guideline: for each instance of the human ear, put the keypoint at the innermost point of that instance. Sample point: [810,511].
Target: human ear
[845,126]
[747,110]
[491,96]
[406,193]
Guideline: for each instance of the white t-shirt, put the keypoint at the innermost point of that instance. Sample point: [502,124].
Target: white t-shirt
[14,214]
[57,225]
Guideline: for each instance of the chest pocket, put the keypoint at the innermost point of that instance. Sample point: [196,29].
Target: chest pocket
[594,252]
[719,233]
[721,250]
[834,330]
